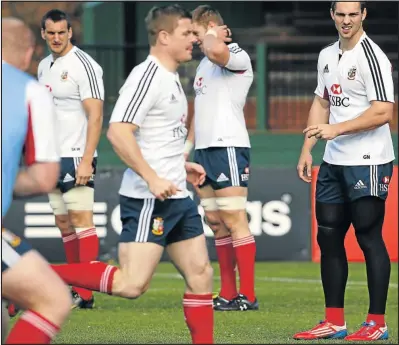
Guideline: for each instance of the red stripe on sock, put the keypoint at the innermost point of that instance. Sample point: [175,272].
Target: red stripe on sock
[32,328]
[227,263]
[379,319]
[245,252]
[198,312]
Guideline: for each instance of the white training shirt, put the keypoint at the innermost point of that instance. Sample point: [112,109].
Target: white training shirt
[363,74]
[153,99]
[221,94]
[71,79]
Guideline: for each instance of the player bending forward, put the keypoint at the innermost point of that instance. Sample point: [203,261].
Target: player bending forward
[147,130]
[75,81]
[222,147]
[28,121]
[351,110]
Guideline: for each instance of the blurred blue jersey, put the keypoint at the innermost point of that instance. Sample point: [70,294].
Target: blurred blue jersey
[28,127]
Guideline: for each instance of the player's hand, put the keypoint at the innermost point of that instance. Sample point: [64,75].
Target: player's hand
[223,33]
[83,172]
[195,174]
[322,131]
[305,166]
[162,188]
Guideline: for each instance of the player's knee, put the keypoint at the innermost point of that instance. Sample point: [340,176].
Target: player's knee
[63,224]
[133,289]
[212,219]
[199,279]
[367,219]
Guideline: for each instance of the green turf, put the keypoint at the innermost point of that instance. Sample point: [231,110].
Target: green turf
[286,306]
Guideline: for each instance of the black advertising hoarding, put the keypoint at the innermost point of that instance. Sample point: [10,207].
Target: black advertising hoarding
[278,211]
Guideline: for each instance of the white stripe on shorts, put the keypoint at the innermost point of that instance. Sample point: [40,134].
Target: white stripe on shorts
[235,177]
[8,254]
[373,180]
[143,227]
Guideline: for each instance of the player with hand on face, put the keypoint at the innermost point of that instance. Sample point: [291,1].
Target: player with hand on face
[351,110]
[222,147]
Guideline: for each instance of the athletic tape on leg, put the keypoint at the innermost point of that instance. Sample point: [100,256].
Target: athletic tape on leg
[79,199]
[232,203]
[209,204]
[57,203]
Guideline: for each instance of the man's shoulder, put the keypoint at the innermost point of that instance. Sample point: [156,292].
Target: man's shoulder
[329,49]
[371,51]
[16,76]
[81,59]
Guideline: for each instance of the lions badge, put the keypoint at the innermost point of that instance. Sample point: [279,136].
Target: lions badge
[352,73]
[157,226]
[64,76]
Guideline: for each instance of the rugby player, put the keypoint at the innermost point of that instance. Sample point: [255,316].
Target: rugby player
[222,147]
[351,111]
[147,130]
[28,120]
[76,83]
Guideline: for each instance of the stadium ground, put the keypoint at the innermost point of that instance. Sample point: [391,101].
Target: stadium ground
[290,298]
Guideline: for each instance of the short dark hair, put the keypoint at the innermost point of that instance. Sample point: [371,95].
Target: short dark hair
[204,14]
[164,18]
[56,16]
[362,5]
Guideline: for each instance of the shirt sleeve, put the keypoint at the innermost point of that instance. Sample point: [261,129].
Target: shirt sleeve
[376,71]
[41,143]
[137,96]
[239,60]
[321,89]
[89,78]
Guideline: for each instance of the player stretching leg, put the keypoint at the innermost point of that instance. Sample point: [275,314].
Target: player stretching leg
[28,121]
[222,147]
[75,80]
[147,130]
[351,110]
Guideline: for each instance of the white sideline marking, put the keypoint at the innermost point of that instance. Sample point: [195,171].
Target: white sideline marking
[277,279]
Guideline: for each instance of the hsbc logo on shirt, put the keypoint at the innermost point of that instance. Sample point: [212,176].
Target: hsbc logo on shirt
[336,100]
[199,87]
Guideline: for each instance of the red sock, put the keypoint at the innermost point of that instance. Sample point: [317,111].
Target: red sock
[95,275]
[198,312]
[335,316]
[227,263]
[245,250]
[71,247]
[32,328]
[379,319]
[88,251]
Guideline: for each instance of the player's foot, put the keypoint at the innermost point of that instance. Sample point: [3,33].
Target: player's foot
[79,302]
[324,330]
[220,304]
[12,309]
[244,304]
[369,332]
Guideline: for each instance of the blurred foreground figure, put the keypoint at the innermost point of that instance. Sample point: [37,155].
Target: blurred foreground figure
[28,121]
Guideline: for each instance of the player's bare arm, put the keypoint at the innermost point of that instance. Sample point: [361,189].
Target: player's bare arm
[125,145]
[318,115]
[195,173]
[379,114]
[215,47]
[189,144]
[37,179]
[94,111]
